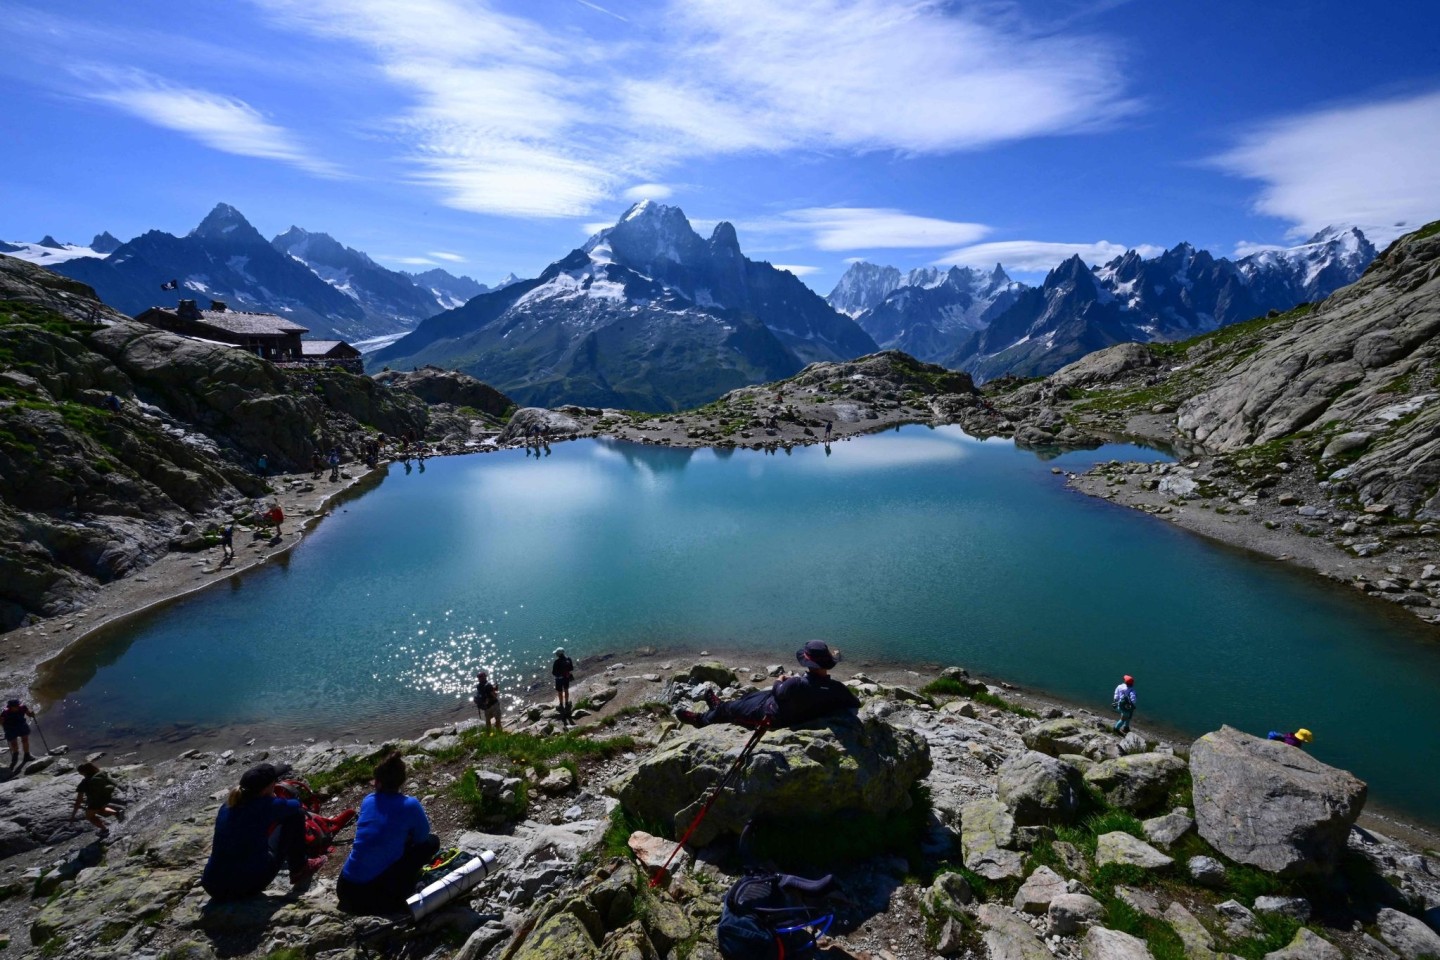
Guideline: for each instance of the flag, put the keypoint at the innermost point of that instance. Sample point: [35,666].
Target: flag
[170,285]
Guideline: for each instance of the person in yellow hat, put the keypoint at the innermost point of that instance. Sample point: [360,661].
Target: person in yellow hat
[1300,738]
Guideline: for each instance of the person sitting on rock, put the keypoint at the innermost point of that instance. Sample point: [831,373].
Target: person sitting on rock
[791,701]
[393,844]
[96,793]
[256,833]
[1124,703]
[17,730]
[1297,739]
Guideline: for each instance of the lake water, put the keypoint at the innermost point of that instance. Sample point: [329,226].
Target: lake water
[919,546]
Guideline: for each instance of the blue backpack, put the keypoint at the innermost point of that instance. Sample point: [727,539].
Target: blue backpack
[759,920]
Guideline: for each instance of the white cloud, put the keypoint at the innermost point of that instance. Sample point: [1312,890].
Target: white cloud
[452,257]
[1034,256]
[526,118]
[648,191]
[1369,165]
[1245,248]
[220,122]
[410,261]
[868,228]
[797,269]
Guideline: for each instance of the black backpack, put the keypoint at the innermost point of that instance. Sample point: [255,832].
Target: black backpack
[761,921]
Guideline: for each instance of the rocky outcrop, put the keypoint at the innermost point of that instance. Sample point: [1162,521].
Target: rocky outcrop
[846,766]
[1271,805]
[1137,783]
[1104,366]
[1039,789]
[1124,849]
[1407,936]
[1306,945]
[987,834]
[1102,944]
[448,387]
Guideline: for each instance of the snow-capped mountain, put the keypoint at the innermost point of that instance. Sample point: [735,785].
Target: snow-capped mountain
[1176,295]
[451,291]
[646,315]
[392,301]
[928,312]
[48,250]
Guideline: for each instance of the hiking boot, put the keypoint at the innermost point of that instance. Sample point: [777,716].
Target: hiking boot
[712,699]
[690,718]
[312,867]
[28,759]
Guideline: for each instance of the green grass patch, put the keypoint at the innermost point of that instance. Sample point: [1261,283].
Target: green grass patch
[946,687]
[624,822]
[351,772]
[1000,703]
[527,749]
[482,808]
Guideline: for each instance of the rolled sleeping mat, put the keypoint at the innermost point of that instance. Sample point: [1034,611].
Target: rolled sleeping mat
[452,885]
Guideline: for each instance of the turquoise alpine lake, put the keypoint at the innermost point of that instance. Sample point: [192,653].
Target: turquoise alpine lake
[918,546]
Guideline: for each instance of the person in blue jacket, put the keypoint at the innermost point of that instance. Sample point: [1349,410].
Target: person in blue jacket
[393,844]
[246,854]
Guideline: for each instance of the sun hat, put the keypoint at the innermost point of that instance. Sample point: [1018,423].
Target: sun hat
[817,655]
[1304,736]
[259,777]
[559,650]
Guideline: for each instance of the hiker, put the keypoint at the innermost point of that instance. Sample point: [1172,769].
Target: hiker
[227,542]
[262,465]
[245,854]
[1124,703]
[317,466]
[563,670]
[112,403]
[334,464]
[828,427]
[17,730]
[276,515]
[96,793]
[792,700]
[1299,738]
[487,701]
[393,843]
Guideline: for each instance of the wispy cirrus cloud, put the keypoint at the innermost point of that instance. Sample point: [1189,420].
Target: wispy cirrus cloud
[1370,165]
[221,122]
[524,117]
[800,270]
[648,191]
[1035,256]
[443,255]
[870,228]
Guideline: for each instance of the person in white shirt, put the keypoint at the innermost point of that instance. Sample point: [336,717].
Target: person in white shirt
[1125,703]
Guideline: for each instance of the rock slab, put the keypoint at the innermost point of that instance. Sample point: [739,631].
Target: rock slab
[1271,805]
[1122,848]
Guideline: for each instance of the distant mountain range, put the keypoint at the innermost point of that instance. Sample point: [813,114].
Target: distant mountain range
[989,325]
[647,315]
[334,290]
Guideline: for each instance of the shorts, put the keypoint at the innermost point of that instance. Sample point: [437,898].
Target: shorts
[562,683]
[491,713]
[17,732]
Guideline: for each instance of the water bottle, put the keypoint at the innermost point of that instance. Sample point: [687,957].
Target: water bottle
[450,886]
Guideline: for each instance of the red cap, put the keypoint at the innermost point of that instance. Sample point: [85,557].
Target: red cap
[1129,679]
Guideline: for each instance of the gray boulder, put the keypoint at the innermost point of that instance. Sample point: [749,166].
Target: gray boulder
[1206,871]
[712,671]
[947,895]
[1007,937]
[1407,936]
[1054,737]
[987,831]
[1199,944]
[1122,848]
[1169,828]
[1297,908]
[1071,911]
[844,765]
[1307,946]
[1137,783]
[1039,789]
[1103,944]
[1038,890]
[1272,805]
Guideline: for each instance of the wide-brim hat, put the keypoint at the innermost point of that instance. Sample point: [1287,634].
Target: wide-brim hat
[817,655]
[262,775]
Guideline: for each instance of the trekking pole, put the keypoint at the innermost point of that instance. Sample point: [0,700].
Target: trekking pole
[41,732]
[715,792]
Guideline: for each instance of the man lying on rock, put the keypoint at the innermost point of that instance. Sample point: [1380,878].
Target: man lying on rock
[791,701]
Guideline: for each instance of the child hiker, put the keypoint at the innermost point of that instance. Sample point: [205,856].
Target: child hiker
[96,793]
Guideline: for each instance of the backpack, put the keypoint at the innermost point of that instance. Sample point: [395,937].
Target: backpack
[445,863]
[760,921]
[320,831]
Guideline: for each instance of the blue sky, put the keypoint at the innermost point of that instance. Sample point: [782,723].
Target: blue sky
[489,136]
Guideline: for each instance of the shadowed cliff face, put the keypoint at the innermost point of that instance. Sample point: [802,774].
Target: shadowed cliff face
[88,495]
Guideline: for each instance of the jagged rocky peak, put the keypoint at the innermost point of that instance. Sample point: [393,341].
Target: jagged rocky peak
[51,242]
[302,243]
[649,233]
[104,243]
[863,286]
[227,224]
[1073,270]
[724,237]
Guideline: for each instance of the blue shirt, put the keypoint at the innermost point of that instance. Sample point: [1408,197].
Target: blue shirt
[241,863]
[388,823]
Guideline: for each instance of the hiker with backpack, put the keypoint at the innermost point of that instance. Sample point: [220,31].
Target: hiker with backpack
[256,833]
[227,543]
[791,701]
[1124,703]
[393,844]
[487,701]
[1299,738]
[563,670]
[96,793]
[17,730]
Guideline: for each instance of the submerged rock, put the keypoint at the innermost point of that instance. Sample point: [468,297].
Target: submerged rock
[1271,805]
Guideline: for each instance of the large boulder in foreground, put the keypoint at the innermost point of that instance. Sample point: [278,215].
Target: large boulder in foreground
[1137,783]
[844,765]
[1272,805]
[1039,789]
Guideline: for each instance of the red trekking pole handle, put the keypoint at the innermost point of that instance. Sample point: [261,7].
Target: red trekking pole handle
[720,785]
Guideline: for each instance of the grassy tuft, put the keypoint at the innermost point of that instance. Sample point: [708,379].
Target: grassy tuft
[483,809]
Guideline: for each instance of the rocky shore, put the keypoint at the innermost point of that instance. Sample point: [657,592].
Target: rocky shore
[959,818]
